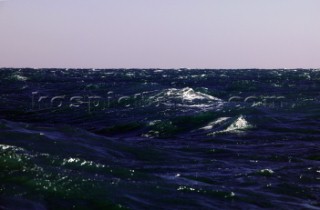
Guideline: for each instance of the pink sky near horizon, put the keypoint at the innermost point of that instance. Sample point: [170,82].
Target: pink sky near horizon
[160,34]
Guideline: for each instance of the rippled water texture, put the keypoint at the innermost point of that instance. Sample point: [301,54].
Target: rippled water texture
[159,139]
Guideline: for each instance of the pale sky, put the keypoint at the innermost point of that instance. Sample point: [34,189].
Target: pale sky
[160,34]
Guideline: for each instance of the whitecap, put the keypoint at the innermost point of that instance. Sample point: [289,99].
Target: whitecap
[212,124]
[186,99]
[240,124]
[187,94]
[237,126]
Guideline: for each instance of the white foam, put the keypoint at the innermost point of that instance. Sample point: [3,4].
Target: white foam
[189,94]
[20,78]
[239,125]
[5,147]
[214,123]
[267,171]
[82,162]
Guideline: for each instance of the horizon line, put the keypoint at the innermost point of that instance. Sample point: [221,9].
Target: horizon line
[156,68]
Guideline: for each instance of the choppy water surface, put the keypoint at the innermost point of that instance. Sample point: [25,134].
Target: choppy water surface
[159,139]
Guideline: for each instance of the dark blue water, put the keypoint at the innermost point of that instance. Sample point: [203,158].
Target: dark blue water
[159,139]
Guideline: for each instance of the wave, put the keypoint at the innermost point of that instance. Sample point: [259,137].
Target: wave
[227,125]
[186,99]
[186,94]
[240,124]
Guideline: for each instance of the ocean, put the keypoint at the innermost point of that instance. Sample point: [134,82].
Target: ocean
[159,139]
